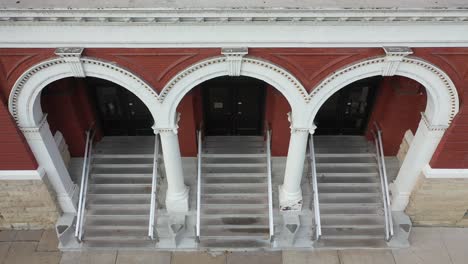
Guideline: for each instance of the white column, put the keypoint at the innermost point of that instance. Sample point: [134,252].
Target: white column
[420,152]
[177,192]
[48,156]
[290,193]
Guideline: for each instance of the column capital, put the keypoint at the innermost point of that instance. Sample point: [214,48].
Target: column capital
[36,131]
[430,127]
[300,129]
[166,129]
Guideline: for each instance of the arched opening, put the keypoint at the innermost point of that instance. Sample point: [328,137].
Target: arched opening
[348,162]
[233,114]
[121,160]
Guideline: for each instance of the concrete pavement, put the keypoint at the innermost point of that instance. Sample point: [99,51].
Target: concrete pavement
[429,245]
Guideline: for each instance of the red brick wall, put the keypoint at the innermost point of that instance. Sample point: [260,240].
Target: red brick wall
[69,110]
[309,65]
[397,108]
[277,108]
[14,151]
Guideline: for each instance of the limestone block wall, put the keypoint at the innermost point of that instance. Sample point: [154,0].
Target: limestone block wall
[27,204]
[439,202]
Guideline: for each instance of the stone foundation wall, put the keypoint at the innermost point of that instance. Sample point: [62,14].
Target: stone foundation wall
[439,202]
[27,204]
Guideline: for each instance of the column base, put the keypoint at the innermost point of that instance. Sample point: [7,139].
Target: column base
[178,202]
[289,201]
[399,199]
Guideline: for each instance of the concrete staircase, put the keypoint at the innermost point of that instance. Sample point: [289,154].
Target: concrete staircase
[234,201]
[350,196]
[118,200]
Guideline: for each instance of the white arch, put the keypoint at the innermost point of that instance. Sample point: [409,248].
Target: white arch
[272,74]
[24,98]
[24,105]
[442,97]
[442,106]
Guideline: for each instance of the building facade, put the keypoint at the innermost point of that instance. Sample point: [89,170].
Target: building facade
[255,126]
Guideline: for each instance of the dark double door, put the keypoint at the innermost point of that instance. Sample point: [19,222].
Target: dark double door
[120,112]
[347,111]
[233,106]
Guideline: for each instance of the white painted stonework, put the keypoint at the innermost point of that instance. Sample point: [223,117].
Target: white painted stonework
[442,106]
[432,173]
[22,175]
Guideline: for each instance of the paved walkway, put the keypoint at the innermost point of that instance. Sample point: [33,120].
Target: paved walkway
[429,245]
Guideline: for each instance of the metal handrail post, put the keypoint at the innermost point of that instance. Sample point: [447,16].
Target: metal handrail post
[382,186]
[318,224]
[154,186]
[270,192]
[385,180]
[85,189]
[80,199]
[199,136]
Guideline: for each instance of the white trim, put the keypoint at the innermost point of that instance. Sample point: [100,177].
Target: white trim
[22,175]
[442,96]
[136,35]
[24,105]
[23,100]
[431,173]
[272,74]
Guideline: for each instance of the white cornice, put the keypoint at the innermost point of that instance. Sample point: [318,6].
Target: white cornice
[114,16]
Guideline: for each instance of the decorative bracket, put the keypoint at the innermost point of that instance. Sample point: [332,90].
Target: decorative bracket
[234,59]
[395,55]
[72,58]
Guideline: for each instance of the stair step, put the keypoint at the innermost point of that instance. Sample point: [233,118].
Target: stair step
[245,233]
[344,155]
[116,238]
[238,175]
[352,232]
[116,232]
[122,170]
[122,166]
[227,190]
[229,201]
[234,169]
[120,190]
[235,180]
[234,165]
[227,244]
[351,243]
[105,211]
[233,211]
[258,221]
[347,189]
[123,156]
[116,222]
[239,155]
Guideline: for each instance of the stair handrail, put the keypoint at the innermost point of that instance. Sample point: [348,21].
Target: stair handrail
[313,169]
[383,182]
[154,187]
[270,187]
[199,164]
[84,183]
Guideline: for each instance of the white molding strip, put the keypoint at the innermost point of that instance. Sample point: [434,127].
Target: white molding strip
[22,175]
[431,173]
[262,34]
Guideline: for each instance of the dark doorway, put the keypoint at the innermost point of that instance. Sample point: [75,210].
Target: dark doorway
[120,112]
[347,111]
[233,106]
